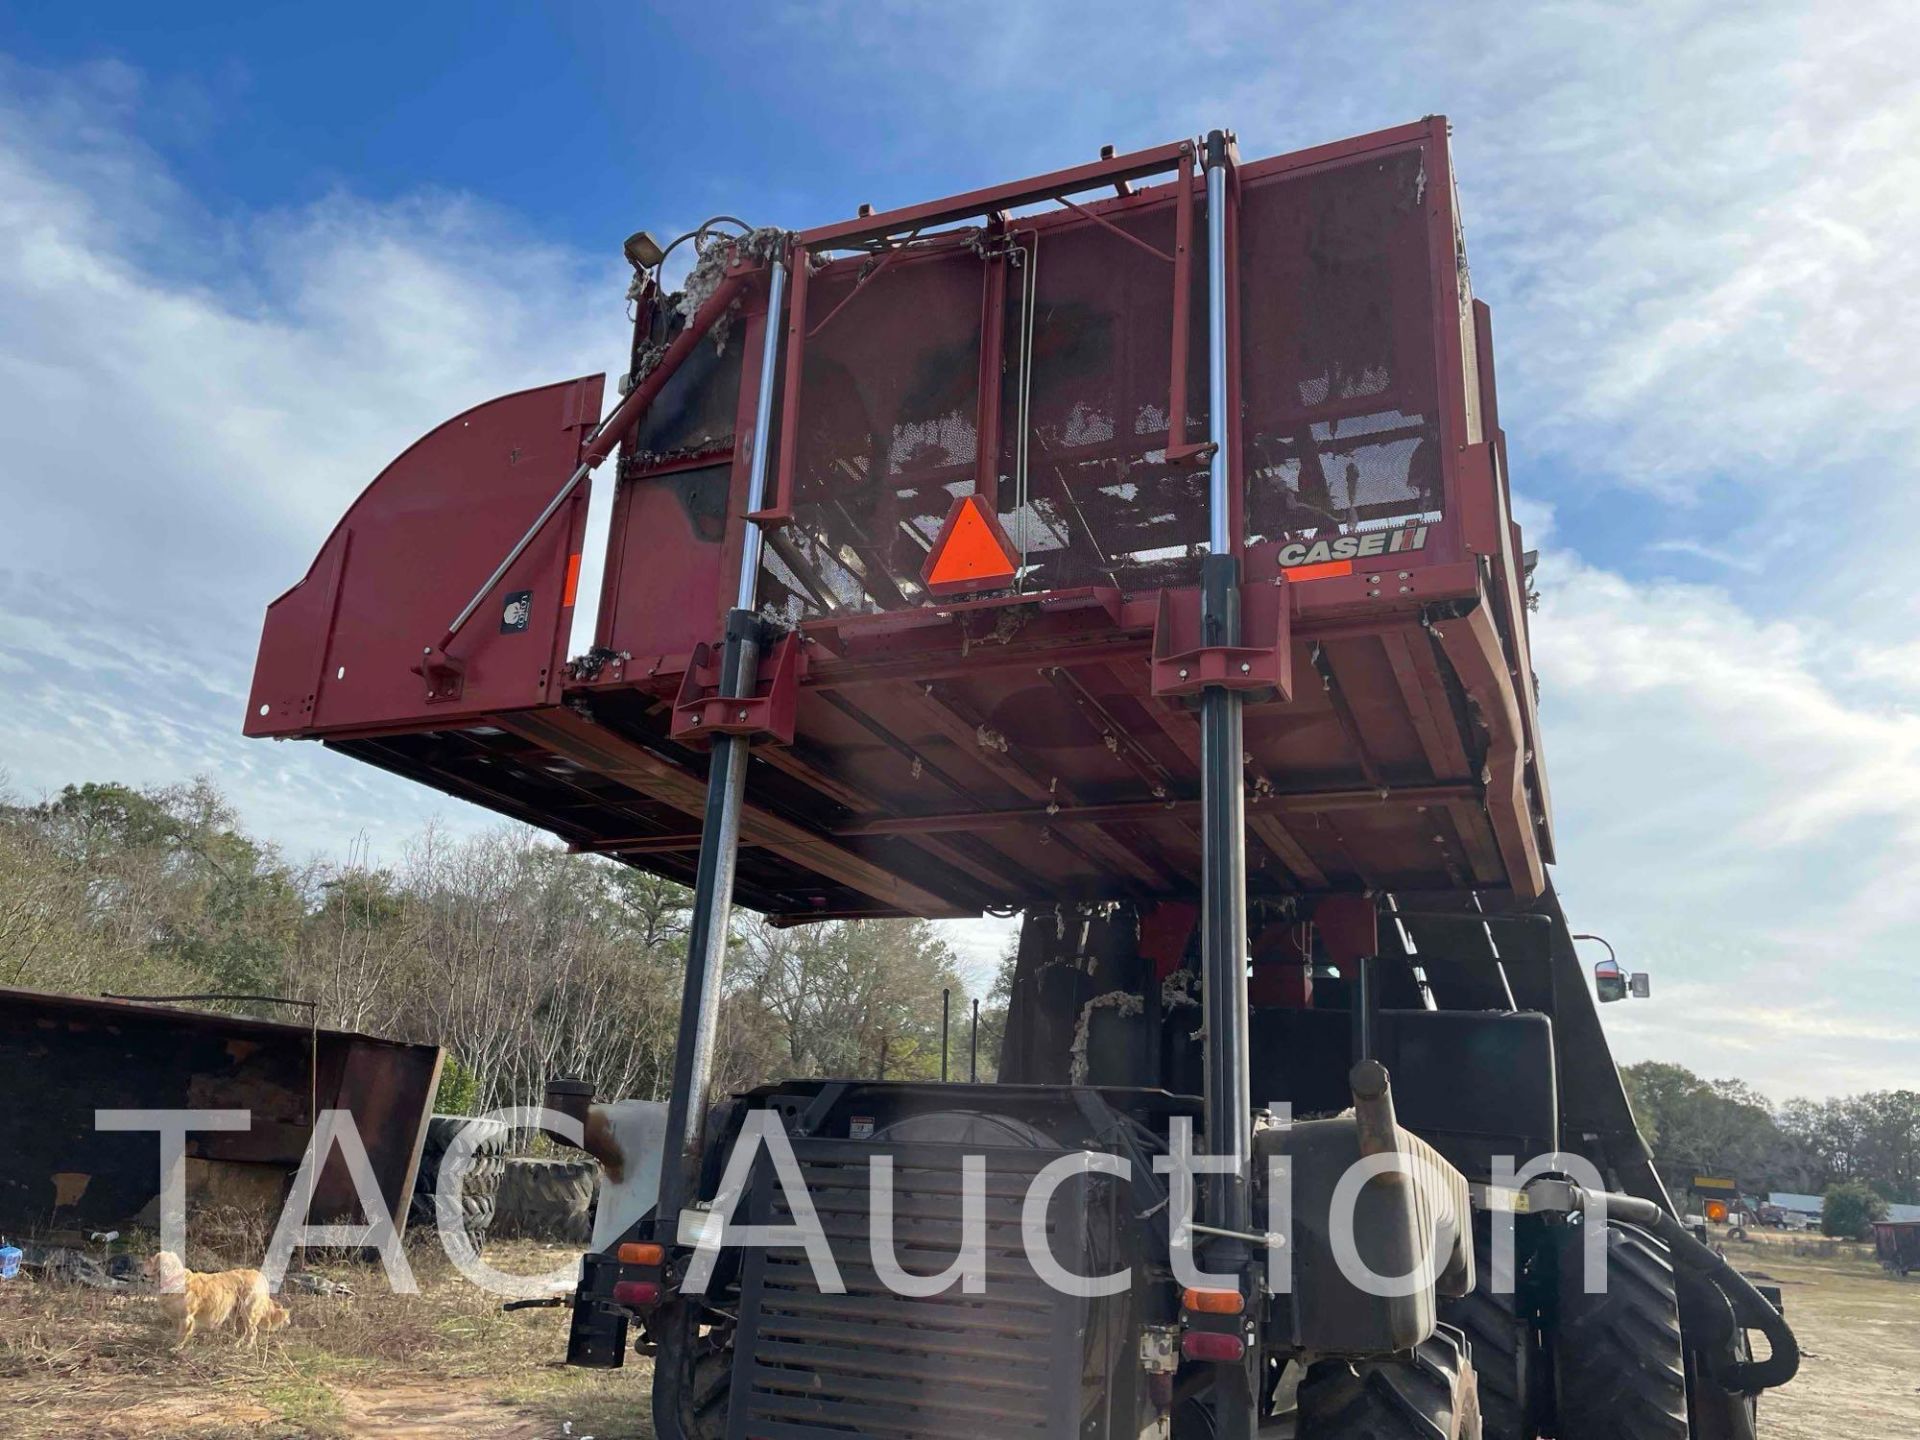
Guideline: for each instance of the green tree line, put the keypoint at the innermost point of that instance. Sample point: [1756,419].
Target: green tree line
[528,962]
[1726,1127]
[525,961]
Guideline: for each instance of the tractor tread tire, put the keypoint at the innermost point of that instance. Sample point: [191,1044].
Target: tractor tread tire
[549,1199]
[1430,1394]
[481,1173]
[696,1408]
[1499,1339]
[479,1176]
[1618,1364]
[441,1130]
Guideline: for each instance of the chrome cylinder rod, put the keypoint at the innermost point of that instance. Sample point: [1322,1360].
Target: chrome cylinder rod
[1219,502]
[1224,865]
[1228,1210]
[708,926]
[746,597]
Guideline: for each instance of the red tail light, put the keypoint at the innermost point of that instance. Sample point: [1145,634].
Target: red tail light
[1211,1345]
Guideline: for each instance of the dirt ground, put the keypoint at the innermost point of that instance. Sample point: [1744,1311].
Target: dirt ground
[1859,1333]
[446,1363]
[443,1363]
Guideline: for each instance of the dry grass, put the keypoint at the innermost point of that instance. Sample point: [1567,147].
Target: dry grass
[1859,1333]
[445,1362]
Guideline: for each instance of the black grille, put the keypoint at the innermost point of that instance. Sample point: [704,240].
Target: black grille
[1007,1362]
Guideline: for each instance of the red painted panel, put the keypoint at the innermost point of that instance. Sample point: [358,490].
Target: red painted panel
[666,550]
[338,650]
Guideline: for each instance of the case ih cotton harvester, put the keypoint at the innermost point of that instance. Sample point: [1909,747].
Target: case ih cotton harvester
[1128,547]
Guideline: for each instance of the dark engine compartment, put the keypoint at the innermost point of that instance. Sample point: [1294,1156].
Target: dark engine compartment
[1093,1005]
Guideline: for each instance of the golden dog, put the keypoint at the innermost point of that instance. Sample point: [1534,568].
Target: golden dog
[194,1301]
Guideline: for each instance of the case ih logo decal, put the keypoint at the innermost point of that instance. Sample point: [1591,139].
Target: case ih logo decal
[515,611]
[1352,547]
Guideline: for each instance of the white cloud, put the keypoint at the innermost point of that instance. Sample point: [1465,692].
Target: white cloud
[1809,761]
[189,406]
[1736,822]
[1787,1040]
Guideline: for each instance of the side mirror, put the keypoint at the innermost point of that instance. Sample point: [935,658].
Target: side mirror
[1611,983]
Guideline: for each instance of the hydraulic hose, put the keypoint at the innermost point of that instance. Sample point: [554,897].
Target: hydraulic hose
[1750,1307]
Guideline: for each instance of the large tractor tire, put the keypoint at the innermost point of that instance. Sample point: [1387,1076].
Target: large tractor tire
[479,1177]
[1619,1370]
[1715,1340]
[1718,1414]
[1428,1395]
[692,1376]
[548,1199]
[1500,1339]
[442,1130]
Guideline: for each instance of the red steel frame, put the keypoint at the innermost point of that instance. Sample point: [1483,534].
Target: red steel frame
[993,202]
[1472,526]
[1472,523]
[1092,629]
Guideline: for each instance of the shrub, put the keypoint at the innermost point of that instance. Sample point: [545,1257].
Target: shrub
[1850,1209]
[459,1088]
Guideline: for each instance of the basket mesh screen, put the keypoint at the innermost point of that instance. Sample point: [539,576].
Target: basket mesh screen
[1337,378]
[1339,398]
[887,433]
[1101,505]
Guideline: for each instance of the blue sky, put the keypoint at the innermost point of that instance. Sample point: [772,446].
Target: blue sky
[248,255]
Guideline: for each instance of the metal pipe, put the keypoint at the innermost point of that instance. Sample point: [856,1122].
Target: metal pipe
[1182,301]
[1224,949]
[519,549]
[1365,1000]
[1022,473]
[1602,940]
[1373,1117]
[749,584]
[1750,1307]
[847,234]
[973,1048]
[993,347]
[1223,924]
[1219,508]
[708,926]
[1223,816]
[700,994]
[946,1028]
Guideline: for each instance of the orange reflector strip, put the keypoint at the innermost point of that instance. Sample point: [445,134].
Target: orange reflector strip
[641,1254]
[573,581]
[1213,1302]
[971,552]
[1325,570]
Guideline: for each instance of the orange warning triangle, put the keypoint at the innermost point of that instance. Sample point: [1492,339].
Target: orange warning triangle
[971,552]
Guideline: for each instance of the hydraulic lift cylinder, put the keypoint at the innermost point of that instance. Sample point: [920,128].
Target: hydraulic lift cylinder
[1223,934]
[707,928]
